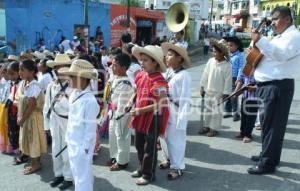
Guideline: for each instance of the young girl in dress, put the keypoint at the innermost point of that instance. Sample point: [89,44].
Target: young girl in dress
[4,94]
[30,100]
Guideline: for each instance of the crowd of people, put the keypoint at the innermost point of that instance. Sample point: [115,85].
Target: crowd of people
[66,100]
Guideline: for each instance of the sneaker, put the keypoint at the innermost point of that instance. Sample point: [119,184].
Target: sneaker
[136,174]
[247,140]
[65,185]
[236,117]
[56,181]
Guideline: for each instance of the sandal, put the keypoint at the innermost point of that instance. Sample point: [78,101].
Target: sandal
[165,165]
[203,130]
[29,170]
[20,160]
[142,181]
[212,133]
[175,174]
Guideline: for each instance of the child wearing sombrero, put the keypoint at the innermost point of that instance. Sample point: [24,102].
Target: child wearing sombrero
[179,82]
[55,113]
[151,112]
[215,84]
[82,124]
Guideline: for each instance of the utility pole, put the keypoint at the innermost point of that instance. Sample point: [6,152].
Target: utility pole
[211,11]
[128,16]
[86,25]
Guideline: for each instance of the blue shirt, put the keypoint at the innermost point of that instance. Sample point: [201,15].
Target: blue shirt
[250,95]
[237,63]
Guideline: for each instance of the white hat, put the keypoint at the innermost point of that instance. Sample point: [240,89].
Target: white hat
[39,55]
[60,59]
[49,54]
[70,52]
[154,52]
[12,58]
[75,37]
[80,68]
[179,50]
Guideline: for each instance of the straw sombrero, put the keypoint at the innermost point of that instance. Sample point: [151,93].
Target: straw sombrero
[221,44]
[80,68]
[12,58]
[155,52]
[60,59]
[39,55]
[179,50]
[49,54]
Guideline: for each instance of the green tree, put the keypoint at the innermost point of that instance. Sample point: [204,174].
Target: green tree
[133,3]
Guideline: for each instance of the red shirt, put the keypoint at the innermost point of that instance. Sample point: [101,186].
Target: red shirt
[149,87]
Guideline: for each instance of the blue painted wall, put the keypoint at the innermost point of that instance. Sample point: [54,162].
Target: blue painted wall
[2,22]
[27,20]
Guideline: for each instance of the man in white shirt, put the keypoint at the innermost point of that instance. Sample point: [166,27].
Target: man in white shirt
[275,80]
[179,39]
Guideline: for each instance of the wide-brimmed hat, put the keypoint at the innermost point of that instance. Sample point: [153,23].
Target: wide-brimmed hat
[38,55]
[179,50]
[80,68]
[70,52]
[221,44]
[60,59]
[236,41]
[12,58]
[25,56]
[155,52]
[49,54]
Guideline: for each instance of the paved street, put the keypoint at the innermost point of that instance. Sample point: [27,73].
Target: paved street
[212,164]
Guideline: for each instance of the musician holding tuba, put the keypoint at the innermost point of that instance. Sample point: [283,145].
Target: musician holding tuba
[275,81]
[179,39]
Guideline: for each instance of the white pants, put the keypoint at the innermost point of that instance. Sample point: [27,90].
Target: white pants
[81,166]
[61,164]
[175,146]
[119,140]
[213,114]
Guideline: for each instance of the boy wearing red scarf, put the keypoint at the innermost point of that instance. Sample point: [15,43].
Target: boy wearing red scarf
[151,112]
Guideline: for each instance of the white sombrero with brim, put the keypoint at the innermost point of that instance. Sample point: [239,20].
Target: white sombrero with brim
[12,58]
[49,54]
[179,50]
[39,55]
[60,59]
[80,68]
[155,52]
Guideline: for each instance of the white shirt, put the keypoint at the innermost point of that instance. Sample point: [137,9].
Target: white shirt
[65,45]
[281,56]
[61,105]
[206,42]
[133,68]
[82,124]
[104,60]
[182,43]
[216,77]
[121,94]
[180,92]
[4,90]
[33,89]
[44,80]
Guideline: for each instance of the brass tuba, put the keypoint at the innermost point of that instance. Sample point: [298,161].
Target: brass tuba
[177,17]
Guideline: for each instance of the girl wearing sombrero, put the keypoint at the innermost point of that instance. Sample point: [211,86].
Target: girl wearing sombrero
[179,82]
[215,84]
[151,114]
[82,124]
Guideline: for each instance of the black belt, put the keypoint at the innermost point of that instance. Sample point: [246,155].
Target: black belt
[273,82]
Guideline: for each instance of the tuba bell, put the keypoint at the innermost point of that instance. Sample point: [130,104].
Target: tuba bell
[177,17]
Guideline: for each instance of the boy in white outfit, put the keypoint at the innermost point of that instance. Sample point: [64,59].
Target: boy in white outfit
[55,112]
[215,85]
[179,82]
[119,133]
[82,124]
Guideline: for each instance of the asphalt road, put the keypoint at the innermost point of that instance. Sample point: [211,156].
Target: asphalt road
[212,164]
